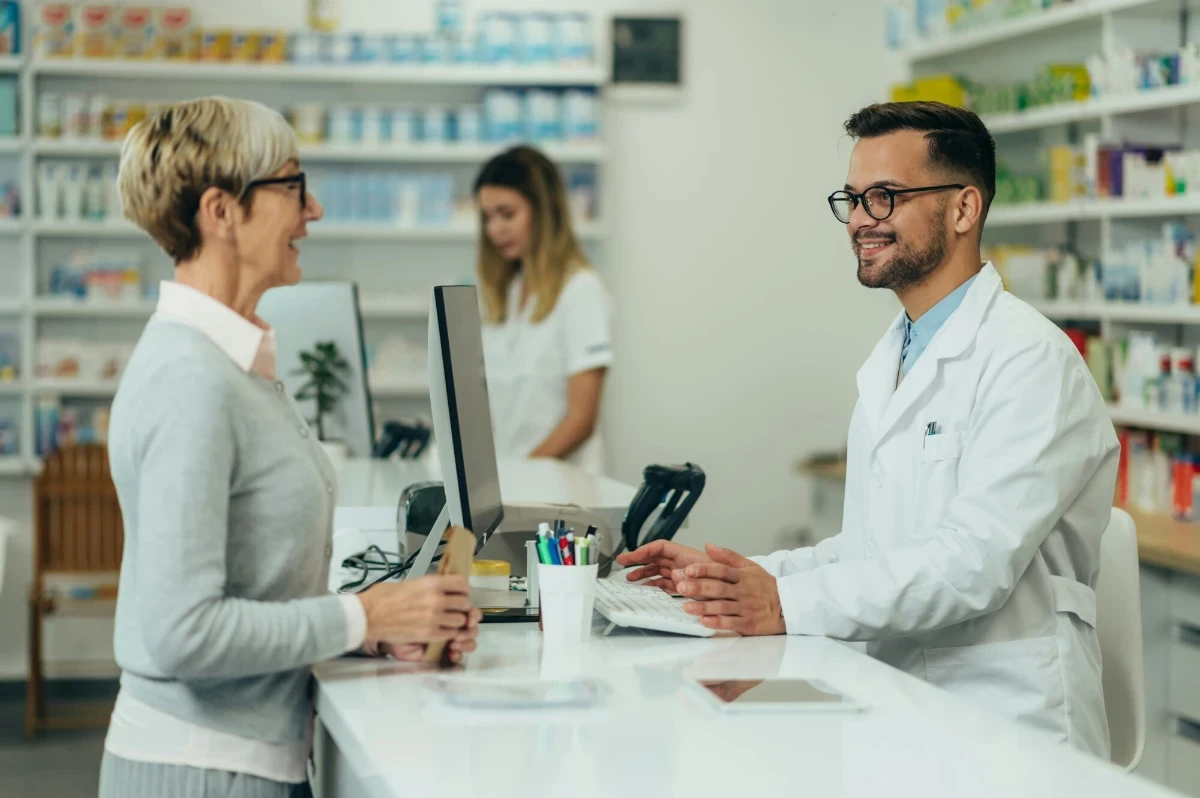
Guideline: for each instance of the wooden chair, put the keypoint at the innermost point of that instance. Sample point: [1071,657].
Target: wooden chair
[77,534]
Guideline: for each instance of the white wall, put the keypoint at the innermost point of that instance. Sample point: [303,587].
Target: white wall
[739,321]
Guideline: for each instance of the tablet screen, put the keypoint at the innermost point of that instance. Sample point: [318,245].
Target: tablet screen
[767,692]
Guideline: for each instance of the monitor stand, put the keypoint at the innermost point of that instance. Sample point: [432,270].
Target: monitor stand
[429,548]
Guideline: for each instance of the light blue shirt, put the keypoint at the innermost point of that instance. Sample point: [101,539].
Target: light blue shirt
[918,334]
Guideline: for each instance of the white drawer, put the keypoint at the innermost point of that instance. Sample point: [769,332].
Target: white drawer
[1185,599]
[1183,684]
[1183,764]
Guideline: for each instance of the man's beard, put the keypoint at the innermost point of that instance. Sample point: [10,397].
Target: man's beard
[907,266]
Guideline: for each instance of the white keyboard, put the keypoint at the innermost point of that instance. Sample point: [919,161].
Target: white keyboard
[627,604]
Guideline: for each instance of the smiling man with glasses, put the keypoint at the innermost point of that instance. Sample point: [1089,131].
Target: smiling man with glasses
[980,462]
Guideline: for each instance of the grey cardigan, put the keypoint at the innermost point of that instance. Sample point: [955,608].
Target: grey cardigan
[228,503]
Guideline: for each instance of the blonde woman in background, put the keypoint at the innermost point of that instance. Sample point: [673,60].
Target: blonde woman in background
[546,336]
[226,495]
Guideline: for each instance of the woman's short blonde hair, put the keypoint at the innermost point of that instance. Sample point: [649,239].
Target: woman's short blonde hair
[171,158]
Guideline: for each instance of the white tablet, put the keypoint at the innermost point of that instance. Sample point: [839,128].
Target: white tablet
[772,695]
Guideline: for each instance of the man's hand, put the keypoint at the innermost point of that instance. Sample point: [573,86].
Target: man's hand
[731,593]
[660,559]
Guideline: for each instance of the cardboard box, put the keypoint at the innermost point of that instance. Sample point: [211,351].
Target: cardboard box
[178,38]
[97,33]
[54,31]
[137,34]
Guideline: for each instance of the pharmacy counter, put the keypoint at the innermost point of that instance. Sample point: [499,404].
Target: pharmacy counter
[382,734]
[1168,543]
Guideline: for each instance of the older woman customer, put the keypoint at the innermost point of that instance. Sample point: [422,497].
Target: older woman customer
[227,497]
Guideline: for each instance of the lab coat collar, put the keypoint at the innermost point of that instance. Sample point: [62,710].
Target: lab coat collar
[882,401]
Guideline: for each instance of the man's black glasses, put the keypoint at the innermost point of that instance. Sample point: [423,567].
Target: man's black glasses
[877,201]
[298,178]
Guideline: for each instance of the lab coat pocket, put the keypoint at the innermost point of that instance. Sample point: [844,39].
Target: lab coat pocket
[936,480]
[1021,680]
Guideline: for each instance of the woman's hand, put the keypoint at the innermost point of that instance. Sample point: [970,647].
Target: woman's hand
[420,611]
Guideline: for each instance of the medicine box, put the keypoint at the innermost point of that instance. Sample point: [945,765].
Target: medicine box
[97,32]
[54,31]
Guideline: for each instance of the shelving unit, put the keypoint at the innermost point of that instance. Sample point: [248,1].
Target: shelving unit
[331,153]
[1155,420]
[1040,213]
[1098,108]
[39,239]
[404,74]
[1144,313]
[1031,23]
[336,231]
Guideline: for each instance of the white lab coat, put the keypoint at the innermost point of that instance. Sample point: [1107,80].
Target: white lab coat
[969,558]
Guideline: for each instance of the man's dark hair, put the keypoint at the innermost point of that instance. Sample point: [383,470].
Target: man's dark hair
[959,142]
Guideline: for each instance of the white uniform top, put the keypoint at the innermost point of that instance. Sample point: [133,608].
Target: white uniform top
[977,492]
[528,365]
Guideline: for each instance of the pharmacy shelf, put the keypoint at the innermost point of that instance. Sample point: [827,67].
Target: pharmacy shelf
[1035,213]
[60,228]
[1146,313]
[1155,420]
[14,466]
[10,306]
[75,387]
[10,144]
[11,226]
[76,147]
[394,307]
[52,307]
[411,386]
[1033,22]
[12,388]
[415,74]
[1113,105]
[322,231]
[11,63]
[583,152]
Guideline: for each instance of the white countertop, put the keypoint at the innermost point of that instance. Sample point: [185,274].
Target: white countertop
[653,739]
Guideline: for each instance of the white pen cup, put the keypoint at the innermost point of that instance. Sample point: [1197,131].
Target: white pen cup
[531,573]
[567,595]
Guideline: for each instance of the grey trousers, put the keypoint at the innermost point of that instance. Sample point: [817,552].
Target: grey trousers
[121,778]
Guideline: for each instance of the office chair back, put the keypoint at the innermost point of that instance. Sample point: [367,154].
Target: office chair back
[1119,627]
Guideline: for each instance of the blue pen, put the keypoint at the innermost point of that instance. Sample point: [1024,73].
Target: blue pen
[555,557]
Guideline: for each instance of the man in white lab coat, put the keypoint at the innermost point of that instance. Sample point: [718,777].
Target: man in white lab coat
[981,460]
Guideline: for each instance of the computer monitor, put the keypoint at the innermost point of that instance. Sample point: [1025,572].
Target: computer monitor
[462,420]
[314,311]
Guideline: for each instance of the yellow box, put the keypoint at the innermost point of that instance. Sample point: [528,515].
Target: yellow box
[178,38]
[136,38]
[903,93]
[943,88]
[54,31]
[1083,79]
[216,45]
[97,34]
[243,46]
[272,46]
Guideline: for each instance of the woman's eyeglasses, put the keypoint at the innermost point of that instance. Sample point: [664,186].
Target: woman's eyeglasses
[877,201]
[297,179]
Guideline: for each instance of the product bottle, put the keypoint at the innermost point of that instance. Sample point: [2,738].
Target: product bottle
[323,15]
[1183,373]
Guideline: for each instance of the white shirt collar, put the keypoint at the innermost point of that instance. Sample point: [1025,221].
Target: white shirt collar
[251,347]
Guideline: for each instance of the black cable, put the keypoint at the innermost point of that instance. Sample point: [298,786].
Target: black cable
[403,567]
[366,564]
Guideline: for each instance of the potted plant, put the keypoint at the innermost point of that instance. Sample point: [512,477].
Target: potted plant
[324,366]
